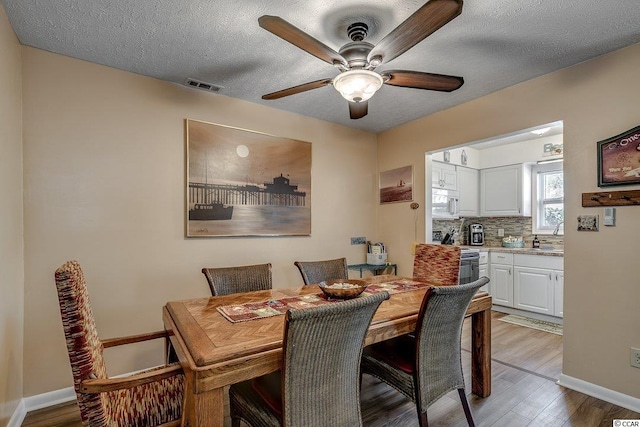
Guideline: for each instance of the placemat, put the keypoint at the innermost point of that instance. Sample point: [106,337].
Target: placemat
[257,310]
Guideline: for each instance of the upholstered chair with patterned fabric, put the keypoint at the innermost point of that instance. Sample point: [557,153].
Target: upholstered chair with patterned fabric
[318,271]
[150,398]
[318,385]
[246,278]
[427,365]
[438,265]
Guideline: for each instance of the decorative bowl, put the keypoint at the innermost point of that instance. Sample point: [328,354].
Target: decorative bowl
[343,288]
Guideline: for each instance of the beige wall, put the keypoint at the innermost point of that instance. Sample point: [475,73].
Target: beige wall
[104,184]
[596,100]
[11,223]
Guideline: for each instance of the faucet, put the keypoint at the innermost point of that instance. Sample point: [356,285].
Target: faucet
[555,231]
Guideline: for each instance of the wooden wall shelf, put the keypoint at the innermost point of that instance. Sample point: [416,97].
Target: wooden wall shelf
[611,198]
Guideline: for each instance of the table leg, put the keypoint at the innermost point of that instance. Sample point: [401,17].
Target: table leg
[481,353]
[202,409]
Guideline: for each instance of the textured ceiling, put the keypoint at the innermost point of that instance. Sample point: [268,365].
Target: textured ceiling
[492,44]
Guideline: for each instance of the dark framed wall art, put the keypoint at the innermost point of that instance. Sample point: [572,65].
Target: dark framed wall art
[619,159]
[396,185]
[246,183]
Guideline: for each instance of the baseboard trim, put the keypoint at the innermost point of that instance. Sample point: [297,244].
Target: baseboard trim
[51,398]
[39,401]
[599,392]
[18,415]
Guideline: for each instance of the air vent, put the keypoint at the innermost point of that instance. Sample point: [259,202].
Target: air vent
[198,84]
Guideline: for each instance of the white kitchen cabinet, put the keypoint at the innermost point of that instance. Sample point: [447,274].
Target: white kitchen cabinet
[505,191]
[469,191]
[501,275]
[444,176]
[483,269]
[533,290]
[558,293]
[537,283]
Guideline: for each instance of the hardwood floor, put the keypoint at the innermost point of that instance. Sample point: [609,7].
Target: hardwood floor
[526,365]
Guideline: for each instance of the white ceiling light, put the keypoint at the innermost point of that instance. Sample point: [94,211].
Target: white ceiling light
[357,85]
[540,131]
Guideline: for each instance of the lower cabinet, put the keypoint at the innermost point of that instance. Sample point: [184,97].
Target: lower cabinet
[483,270]
[527,282]
[558,287]
[533,290]
[501,274]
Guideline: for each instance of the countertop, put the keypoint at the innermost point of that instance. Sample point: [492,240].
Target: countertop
[525,251]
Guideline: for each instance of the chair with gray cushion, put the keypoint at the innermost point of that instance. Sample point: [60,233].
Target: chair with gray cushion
[319,271]
[231,280]
[318,385]
[426,366]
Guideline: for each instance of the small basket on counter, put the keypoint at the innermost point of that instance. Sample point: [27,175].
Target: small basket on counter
[513,242]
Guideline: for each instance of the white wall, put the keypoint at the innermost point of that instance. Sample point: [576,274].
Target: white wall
[11,223]
[104,164]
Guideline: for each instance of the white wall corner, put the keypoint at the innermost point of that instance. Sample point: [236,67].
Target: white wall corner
[599,392]
[40,401]
[18,415]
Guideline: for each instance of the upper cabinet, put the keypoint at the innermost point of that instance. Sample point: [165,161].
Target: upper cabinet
[469,189]
[505,191]
[444,176]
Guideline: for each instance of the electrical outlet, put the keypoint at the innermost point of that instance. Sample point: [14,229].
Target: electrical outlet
[358,240]
[500,232]
[635,357]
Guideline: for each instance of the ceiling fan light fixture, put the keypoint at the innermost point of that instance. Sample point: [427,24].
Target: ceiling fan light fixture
[357,85]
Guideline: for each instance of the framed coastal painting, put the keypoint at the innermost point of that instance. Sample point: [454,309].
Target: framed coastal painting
[245,183]
[396,185]
[619,159]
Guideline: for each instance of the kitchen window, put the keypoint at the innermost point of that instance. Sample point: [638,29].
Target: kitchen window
[548,198]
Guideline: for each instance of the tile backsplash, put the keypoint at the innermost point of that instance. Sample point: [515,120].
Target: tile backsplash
[512,225]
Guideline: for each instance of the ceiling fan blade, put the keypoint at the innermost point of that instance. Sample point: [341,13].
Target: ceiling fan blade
[297,89]
[297,37]
[358,110]
[420,80]
[424,22]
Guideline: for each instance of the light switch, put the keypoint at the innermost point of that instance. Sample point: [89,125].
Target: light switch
[609,216]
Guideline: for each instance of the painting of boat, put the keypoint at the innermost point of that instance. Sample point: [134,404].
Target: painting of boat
[210,211]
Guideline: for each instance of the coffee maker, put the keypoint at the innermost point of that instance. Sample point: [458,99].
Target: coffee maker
[476,235]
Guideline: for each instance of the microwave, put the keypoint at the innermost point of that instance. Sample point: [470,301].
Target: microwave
[444,203]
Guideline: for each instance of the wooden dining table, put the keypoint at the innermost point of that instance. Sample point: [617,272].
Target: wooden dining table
[215,352]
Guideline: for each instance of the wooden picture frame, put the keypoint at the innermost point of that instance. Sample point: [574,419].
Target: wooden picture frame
[245,183]
[396,185]
[619,159]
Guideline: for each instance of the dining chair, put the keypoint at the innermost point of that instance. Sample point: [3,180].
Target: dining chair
[428,365]
[318,271]
[318,385]
[437,265]
[231,280]
[153,397]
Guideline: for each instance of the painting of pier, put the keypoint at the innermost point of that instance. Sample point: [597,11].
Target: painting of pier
[244,183]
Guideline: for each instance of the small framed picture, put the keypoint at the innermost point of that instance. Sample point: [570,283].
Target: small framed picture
[396,185]
[619,159]
[447,156]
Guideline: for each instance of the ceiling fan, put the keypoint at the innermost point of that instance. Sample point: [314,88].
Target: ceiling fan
[356,60]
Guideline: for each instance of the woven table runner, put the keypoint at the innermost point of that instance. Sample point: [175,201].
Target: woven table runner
[257,310]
